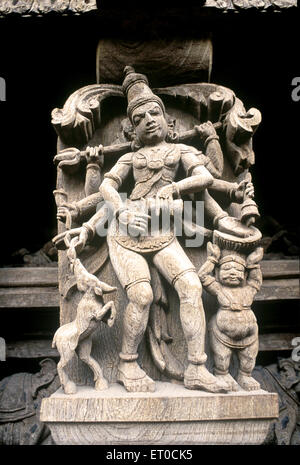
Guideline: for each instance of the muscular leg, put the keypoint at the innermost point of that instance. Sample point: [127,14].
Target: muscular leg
[175,266]
[133,273]
[135,322]
[222,356]
[247,359]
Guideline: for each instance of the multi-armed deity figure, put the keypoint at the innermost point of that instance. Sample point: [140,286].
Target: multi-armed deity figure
[161,172]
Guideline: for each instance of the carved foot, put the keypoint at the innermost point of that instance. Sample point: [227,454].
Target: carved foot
[70,388]
[248,383]
[134,378]
[228,379]
[198,377]
[101,384]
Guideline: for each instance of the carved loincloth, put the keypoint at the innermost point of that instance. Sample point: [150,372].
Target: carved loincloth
[144,243]
[236,342]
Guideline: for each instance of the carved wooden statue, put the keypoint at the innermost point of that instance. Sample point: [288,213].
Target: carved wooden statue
[234,327]
[159,172]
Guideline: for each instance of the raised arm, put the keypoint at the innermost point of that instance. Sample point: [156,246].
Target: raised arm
[207,279]
[254,280]
[233,191]
[212,148]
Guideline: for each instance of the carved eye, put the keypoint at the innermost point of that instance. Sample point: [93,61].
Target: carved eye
[226,267]
[155,111]
[136,120]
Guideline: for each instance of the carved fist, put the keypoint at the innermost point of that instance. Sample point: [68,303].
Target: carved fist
[67,211]
[205,130]
[136,222]
[166,192]
[94,155]
[255,256]
[213,251]
[244,190]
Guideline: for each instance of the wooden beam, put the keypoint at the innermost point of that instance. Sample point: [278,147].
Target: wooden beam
[276,341]
[30,349]
[278,289]
[29,297]
[275,269]
[29,277]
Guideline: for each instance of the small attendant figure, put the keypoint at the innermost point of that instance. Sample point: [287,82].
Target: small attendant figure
[234,279]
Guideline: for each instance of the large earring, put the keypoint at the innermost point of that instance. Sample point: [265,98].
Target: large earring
[172,136]
[136,144]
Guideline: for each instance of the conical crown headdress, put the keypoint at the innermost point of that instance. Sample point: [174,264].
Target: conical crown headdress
[136,87]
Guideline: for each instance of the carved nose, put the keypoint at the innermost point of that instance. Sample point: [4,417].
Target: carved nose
[148,118]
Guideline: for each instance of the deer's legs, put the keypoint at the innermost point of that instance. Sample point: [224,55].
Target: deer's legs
[84,353]
[68,386]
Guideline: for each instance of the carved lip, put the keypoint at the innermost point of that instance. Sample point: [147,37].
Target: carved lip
[153,128]
[232,279]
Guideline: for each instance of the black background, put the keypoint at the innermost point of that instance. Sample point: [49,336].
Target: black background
[44,60]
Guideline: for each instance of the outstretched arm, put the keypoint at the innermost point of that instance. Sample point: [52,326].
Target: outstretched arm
[234,192]
[108,191]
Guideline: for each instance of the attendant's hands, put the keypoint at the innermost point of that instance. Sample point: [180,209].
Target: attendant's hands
[213,251]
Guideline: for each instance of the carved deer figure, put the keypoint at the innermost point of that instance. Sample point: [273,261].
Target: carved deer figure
[76,335]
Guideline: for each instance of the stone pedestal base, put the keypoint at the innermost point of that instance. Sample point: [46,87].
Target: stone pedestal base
[170,415]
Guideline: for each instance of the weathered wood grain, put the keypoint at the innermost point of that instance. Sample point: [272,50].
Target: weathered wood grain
[33,276]
[279,289]
[29,297]
[275,269]
[30,349]
[169,402]
[276,341]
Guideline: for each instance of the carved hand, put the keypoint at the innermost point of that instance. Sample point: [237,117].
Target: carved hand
[213,251]
[77,238]
[245,189]
[205,130]
[66,209]
[166,192]
[136,222]
[94,155]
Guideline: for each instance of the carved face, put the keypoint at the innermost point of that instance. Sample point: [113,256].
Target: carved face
[149,123]
[231,274]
